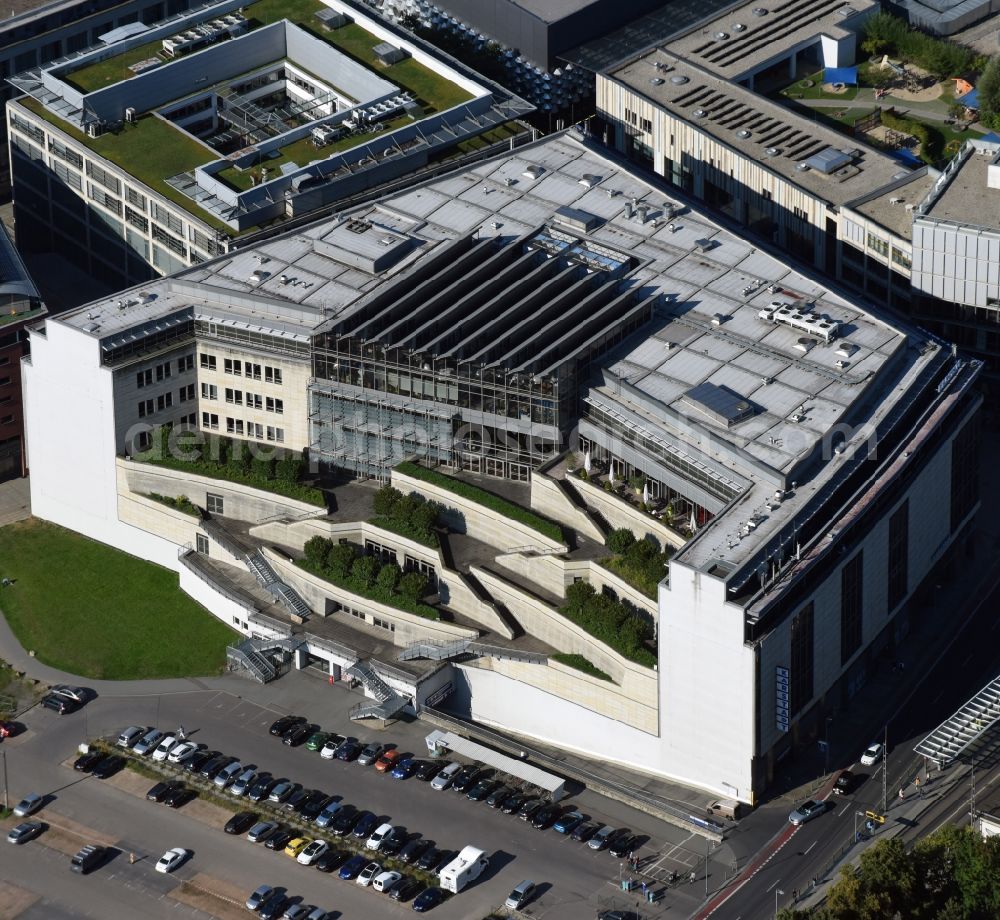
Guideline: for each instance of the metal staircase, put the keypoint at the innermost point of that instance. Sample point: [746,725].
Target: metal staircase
[261,569]
[437,650]
[953,736]
[252,655]
[387,701]
[268,579]
[291,599]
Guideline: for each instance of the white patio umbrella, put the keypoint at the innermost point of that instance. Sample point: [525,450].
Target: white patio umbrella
[645,493]
[611,477]
[694,522]
[586,462]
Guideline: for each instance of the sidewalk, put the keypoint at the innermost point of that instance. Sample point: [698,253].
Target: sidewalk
[15,501]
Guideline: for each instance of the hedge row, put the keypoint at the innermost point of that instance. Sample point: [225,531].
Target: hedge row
[408,515]
[931,139]
[181,503]
[501,506]
[639,562]
[581,664]
[610,621]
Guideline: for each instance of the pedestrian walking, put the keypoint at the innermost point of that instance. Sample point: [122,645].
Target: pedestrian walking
[920,789]
[902,795]
[644,889]
[795,895]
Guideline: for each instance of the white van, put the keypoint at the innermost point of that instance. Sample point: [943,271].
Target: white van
[727,809]
[381,832]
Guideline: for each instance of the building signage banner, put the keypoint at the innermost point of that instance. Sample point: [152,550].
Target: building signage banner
[782,703]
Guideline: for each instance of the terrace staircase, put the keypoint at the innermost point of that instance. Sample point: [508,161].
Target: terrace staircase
[251,655]
[268,579]
[572,493]
[438,650]
[387,701]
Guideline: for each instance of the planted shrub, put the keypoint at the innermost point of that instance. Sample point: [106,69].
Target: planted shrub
[620,540]
[610,621]
[339,559]
[408,515]
[639,562]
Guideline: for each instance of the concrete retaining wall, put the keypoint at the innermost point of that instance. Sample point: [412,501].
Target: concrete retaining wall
[619,513]
[548,500]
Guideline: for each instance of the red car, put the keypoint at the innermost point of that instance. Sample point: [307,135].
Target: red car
[7,729]
[387,761]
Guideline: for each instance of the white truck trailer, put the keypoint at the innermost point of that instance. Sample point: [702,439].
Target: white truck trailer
[463,869]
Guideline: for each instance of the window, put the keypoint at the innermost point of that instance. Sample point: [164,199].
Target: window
[214,503]
[645,125]
[900,257]
[7,420]
[143,441]
[254,401]
[800,213]
[186,393]
[275,434]
[234,426]
[145,408]
[275,405]
[4,381]
[851,595]
[201,543]
[207,362]
[272,375]
[191,419]
[232,366]
[255,431]
[801,660]
[209,391]
[164,401]
[163,371]
[384,624]
[899,545]
[234,396]
[964,472]
[144,378]
[209,420]
[251,371]
[876,244]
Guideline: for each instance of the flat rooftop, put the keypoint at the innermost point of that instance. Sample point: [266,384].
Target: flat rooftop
[769,133]
[747,38]
[894,208]
[965,198]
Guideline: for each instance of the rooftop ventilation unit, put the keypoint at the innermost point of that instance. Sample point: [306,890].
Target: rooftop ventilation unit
[679,79]
[801,320]
[772,151]
[589,180]
[719,403]
[805,345]
[743,134]
[532,172]
[759,11]
[721,36]
[700,113]
[657,81]
[738,27]
[802,167]
[829,160]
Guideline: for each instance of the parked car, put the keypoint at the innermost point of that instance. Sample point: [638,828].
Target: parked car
[171,859]
[161,790]
[262,830]
[244,782]
[258,896]
[405,889]
[179,796]
[241,822]
[846,783]
[88,858]
[387,761]
[446,775]
[584,831]
[405,768]
[298,734]
[428,769]
[394,841]
[330,747]
[279,839]
[349,750]
[385,880]
[623,845]
[280,726]
[261,789]
[148,742]
[498,796]
[601,837]
[569,822]
[180,751]
[274,906]
[345,821]
[312,852]
[520,895]
[481,790]
[316,740]
[366,875]
[332,859]
[297,911]
[546,816]
[25,831]
[194,762]
[431,859]
[872,754]
[86,762]
[8,729]
[428,899]
[379,834]
[365,825]
[165,746]
[228,774]
[129,736]
[806,812]
[350,869]
[512,805]
[328,813]
[529,809]
[76,694]
[60,704]
[413,850]
[297,799]
[467,777]
[370,753]
[314,807]
[295,846]
[108,766]
[213,766]
[283,791]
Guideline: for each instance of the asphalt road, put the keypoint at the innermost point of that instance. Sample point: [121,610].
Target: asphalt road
[969,664]
[574,880]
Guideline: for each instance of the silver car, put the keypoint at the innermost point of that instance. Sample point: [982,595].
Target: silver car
[148,742]
[600,839]
[28,805]
[228,774]
[806,812]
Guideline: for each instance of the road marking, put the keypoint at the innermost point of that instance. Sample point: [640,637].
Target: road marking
[840,813]
[967,660]
[811,845]
[942,692]
[774,885]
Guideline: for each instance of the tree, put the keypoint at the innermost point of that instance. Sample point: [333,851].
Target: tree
[413,586]
[579,594]
[988,89]
[317,549]
[620,540]
[339,559]
[364,571]
[388,578]
[386,500]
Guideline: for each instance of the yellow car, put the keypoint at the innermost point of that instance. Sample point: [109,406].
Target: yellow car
[296,846]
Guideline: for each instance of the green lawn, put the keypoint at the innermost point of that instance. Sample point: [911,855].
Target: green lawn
[798,89]
[113,69]
[94,611]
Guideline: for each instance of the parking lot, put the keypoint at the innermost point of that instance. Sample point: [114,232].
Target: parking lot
[573,880]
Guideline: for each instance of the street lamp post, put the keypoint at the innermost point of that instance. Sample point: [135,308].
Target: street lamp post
[777,891]
[826,745]
[3,754]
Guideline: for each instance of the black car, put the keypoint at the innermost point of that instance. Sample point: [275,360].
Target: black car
[393,842]
[467,777]
[108,766]
[195,761]
[317,802]
[331,860]
[845,785]
[213,766]
[241,822]
[274,906]
[297,799]
[161,790]
[299,734]
[413,850]
[344,821]
[405,889]
[280,726]
[481,790]
[546,816]
[529,809]
[512,805]
[86,762]
[584,831]
[279,839]
[348,751]
[261,789]
[366,823]
[60,704]
[180,796]
[498,796]
[431,859]
[623,845]
[88,859]
[427,770]
[182,764]
[428,899]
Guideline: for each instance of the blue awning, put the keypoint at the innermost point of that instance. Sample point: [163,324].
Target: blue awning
[846,75]
[970,100]
[907,156]
[992,137]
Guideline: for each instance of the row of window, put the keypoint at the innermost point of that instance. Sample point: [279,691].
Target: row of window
[250,370]
[163,401]
[161,372]
[237,398]
[237,426]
